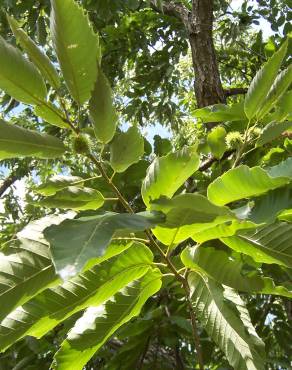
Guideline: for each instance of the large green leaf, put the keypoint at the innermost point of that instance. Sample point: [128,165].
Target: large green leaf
[221,112]
[40,60]
[281,84]
[226,320]
[272,131]
[102,111]
[92,288]
[49,113]
[89,237]
[57,183]
[187,214]
[27,268]
[19,77]
[269,244]
[73,197]
[98,324]
[262,82]
[244,182]
[16,142]
[126,149]
[229,271]
[166,174]
[216,141]
[76,46]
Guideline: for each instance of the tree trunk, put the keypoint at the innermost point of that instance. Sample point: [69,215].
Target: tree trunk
[208,87]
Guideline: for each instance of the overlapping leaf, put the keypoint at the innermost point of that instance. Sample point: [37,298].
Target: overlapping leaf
[57,183]
[97,324]
[221,112]
[49,113]
[92,288]
[226,320]
[17,142]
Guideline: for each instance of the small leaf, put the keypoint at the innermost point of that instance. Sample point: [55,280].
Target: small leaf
[244,182]
[269,244]
[19,77]
[76,46]
[56,183]
[51,114]
[221,113]
[73,198]
[40,60]
[126,149]
[98,324]
[18,142]
[262,82]
[102,111]
[89,237]
[272,131]
[225,318]
[166,174]
[216,141]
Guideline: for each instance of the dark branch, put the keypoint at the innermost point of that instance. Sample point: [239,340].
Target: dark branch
[173,9]
[208,162]
[12,178]
[235,91]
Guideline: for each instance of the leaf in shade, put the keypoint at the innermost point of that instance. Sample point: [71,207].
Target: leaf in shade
[56,183]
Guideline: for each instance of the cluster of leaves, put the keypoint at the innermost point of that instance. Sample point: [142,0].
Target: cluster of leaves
[97,260]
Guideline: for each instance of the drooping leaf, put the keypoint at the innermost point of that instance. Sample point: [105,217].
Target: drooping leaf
[26,268]
[269,244]
[226,320]
[49,113]
[272,131]
[102,111]
[244,182]
[89,237]
[92,288]
[97,324]
[281,84]
[262,82]
[37,57]
[56,183]
[19,77]
[166,174]
[187,214]
[216,141]
[73,197]
[221,113]
[76,46]
[218,265]
[126,149]
[16,142]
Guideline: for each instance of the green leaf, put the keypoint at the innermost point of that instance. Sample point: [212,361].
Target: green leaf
[56,183]
[18,142]
[26,269]
[281,84]
[221,113]
[226,320]
[49,113]
[216,141]
[19,77]
[126,149]
[74,198]
[102,112]
[162,146]
[89,237]
[166,174]
[244,182]
[92,288]
[98,324]
[272,131]
[38,58]
[262,82]
[269,244]
[187,214]
[76,46]
[226,270]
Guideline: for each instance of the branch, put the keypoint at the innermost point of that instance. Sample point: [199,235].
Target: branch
[208,163]
[235,91]
[10,180]
[173,9]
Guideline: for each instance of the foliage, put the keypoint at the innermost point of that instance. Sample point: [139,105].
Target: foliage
[124,258]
